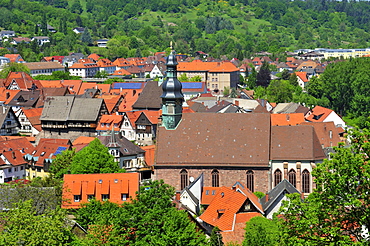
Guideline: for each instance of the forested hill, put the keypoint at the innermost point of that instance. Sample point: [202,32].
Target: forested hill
[236,28]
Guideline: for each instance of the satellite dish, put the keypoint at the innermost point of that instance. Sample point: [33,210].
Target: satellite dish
[191,179]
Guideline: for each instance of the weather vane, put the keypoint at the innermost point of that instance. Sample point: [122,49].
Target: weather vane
[171,45]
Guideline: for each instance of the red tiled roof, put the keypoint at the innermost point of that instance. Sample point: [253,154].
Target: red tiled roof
[326,132]
[131,97]
[132,117]
[302,76]
[319,114]
[152,116]
[14,57]
[112,184]
[15,157]
[106,121]
[83,140]
[15,143]
[51,83]
[149,154]
[287,119]
[208,194]
[94,56]
[198,65]
[226,204]
[121,72]
[23,80]
[73,85]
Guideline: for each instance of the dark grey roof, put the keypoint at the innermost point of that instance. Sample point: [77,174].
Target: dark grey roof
[127,148]
[219,106]
[284,187]
[150,97]
[63,108]
[25,99]
[198,107]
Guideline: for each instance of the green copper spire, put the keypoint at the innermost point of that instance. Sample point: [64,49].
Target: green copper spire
[172,97]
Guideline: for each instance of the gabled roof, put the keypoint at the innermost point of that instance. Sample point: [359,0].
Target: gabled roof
[68,108]
[93,56]
[44,65]
[302,76]
[150,97]
[23,80]
[16,57]
[243,142]
[224,207]
[25,99]
[152,116]
[319,114]
[132,117]
[208,194]
[106,122]
[73,85]
[14,157]
[284,108]
[127,148]
[326,132]
[287,119]
[298,142]
[83,140]
[51,83]
[121,72]
[284,187]
[149,154]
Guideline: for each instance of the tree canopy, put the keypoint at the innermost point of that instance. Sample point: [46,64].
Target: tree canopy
[262,231]
[336,211]
[150,219]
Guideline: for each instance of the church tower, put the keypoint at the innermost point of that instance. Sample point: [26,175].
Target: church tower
[172,97]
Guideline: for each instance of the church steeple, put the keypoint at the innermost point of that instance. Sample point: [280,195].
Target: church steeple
[172,97]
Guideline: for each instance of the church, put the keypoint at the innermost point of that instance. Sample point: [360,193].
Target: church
[230,147]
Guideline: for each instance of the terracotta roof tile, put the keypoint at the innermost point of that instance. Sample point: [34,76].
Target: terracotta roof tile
[208,194]
[51,83]
[287,119]
[112,184]
[106,121]
[83,140]
[73,85]
[319,114]
[326,132]
[149,154]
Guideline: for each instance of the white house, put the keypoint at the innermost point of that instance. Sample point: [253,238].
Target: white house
[156,72]
[41,39]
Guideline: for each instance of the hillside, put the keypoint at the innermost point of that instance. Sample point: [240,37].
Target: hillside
[235,28]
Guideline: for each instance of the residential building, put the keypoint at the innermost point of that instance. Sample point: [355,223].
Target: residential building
[5,35]
[321,114]
[44,68]
[84,69]
[30,121]
[102,42]
[113,187]
[41,40]
[62,116]
[8,121]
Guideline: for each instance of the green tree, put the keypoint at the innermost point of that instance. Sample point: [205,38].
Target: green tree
[279,91]
[94,158]
[149,219]
[196,79]
[61,164]
[13,67]
[183,78]
[293,79]
[252,79]
[285,75]
[86,37]
[261,231]
[216,237]
[22,226]
[336,210]
[264,76]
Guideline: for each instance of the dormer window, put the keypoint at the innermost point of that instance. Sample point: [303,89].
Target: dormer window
[42,153]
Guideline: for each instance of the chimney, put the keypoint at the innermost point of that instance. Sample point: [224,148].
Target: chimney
[133,92]
[266,197]
[13,155]
[7,95]
[178,196]
[237,103]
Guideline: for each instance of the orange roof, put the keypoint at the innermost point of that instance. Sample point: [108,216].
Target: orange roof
[198,65]
[22,79]
[132,116]
[121,72]
[152,116]
[105,88]
[32,112]
[83,140]
[83,65]
[119,187]
[106,121]
[149,154]
[302,76]
[29,139]
[51,83]
[208,194]
[287,119]
[319,114]
[73,85]
[224,207]
[131,97]
[15,157]
[105,63]
[237,235]
[307,64]
[94,56]
[112,101]
[7,95]
[14,57]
